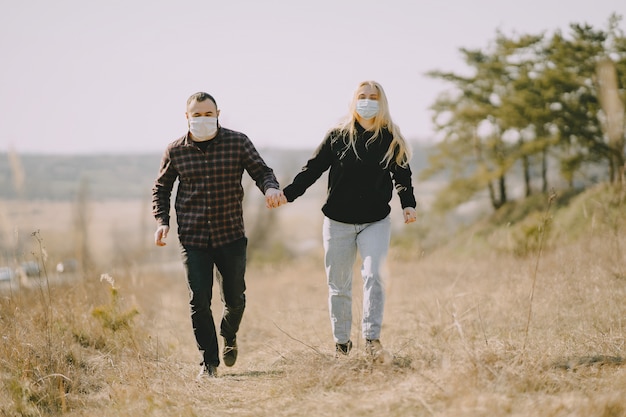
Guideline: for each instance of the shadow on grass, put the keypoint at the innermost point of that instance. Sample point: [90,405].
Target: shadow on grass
[571,364]
[249,374]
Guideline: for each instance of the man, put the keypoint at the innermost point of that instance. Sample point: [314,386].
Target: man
[209,162]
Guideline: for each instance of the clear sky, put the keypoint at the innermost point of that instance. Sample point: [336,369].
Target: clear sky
[94,76]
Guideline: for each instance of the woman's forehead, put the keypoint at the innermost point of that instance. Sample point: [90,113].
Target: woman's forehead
[367,89]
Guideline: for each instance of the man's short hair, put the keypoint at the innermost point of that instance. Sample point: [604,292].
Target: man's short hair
[201,96]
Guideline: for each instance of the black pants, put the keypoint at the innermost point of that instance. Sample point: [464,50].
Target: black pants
[230,261]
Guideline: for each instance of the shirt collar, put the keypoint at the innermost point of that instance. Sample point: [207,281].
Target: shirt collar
[217,138]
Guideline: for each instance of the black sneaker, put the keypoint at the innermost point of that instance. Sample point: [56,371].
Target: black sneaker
[343,348]
[230,352]
[207,371]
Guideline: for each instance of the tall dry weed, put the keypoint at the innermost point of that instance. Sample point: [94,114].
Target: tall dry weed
[542,234]
[81,229]
[17,172]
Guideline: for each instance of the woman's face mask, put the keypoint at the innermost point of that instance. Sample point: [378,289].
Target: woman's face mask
[367,108]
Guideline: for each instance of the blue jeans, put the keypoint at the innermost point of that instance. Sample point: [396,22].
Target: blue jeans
[230,261]
[341,242]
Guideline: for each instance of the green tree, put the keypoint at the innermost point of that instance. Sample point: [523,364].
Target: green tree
[531,99]
[479,121]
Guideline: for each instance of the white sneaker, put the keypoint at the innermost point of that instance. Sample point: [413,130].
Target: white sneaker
[207,371]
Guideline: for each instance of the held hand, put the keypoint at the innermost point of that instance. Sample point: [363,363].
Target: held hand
[274,198]
[160,234]
[410,215]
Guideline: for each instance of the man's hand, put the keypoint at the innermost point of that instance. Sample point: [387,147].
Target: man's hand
[160,234]
[274,198]
[410,215]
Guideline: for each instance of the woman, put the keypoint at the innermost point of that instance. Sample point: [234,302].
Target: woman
[366,155]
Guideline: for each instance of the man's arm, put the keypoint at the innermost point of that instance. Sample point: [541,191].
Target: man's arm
[161,195]
[258,170]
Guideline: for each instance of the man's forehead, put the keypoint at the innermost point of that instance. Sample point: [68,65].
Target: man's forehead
[202,106]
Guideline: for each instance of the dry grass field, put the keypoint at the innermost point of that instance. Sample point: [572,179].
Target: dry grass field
[476,329]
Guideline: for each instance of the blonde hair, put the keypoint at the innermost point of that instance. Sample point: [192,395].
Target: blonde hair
[399,150]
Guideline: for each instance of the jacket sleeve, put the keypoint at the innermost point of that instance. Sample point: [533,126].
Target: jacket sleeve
[314,168]
[403,184]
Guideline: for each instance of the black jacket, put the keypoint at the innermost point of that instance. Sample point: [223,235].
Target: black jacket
[359,188]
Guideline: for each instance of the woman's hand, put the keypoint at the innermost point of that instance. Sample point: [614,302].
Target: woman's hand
[274,198]
[410,215]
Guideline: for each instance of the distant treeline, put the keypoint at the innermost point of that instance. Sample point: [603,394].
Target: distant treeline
[59,177]
[115,176]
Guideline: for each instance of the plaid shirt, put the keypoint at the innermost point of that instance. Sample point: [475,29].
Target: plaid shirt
[209,197]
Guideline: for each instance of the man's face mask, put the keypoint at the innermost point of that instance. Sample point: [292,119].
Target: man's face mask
[203,128]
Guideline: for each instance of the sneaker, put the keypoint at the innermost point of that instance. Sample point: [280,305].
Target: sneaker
[207,371]
[230,352]
[343,348]
[373,347]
